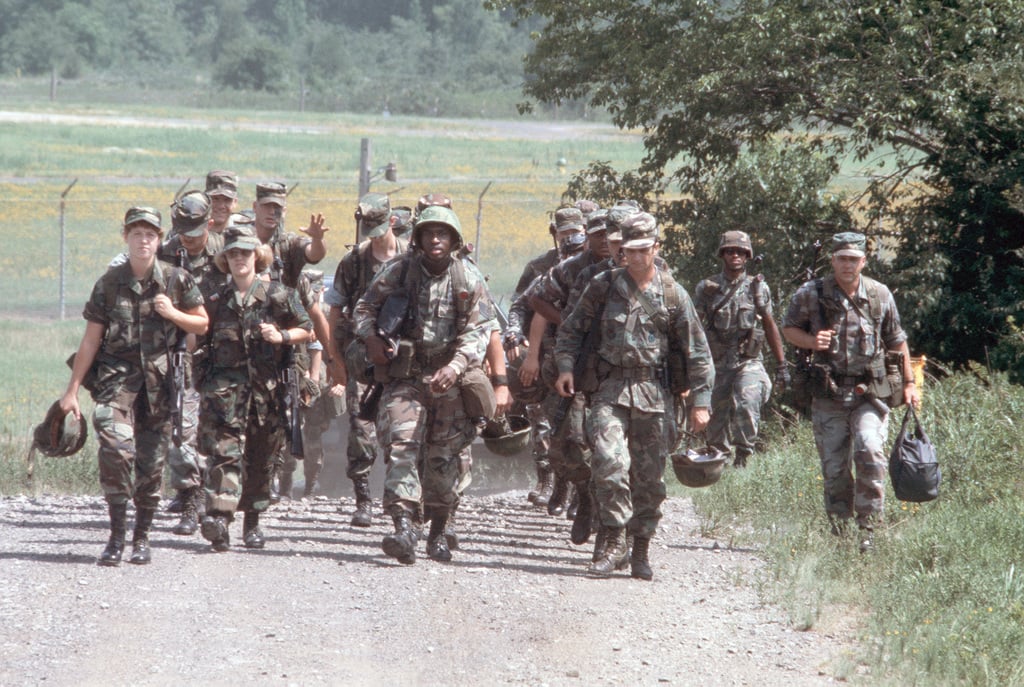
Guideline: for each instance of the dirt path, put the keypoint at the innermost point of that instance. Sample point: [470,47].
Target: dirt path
[322,605]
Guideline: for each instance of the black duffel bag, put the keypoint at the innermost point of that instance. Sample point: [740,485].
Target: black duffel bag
[913,466]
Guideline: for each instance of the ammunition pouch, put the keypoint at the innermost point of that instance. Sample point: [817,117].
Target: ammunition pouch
[894,377]
[477,394]
[751,344]
[401,366]
[678,382]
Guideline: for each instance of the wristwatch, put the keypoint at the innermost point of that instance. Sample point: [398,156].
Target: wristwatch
[499,380]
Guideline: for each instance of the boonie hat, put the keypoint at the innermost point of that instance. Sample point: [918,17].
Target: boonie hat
[143,213]
[373,214]
[271,192]
[190,213]
[639,231]
[222,183]
[242,237]
[849,243]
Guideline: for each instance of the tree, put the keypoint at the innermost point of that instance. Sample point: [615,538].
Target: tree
[926,95]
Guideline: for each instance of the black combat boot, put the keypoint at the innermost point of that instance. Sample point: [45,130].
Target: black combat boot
[189,522]
[600,538]
[402,543]
[559,497]
[584,515]
[742,457]
[615,554]
[214,528]
[437,545]
[252,535]
[640,567]
[363,517]
[140,537]
[545,486]
[451,535]
[115,545]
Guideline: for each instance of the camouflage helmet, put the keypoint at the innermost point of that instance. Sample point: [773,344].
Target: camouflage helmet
[698,468]
[736,239]
[190,213]
[438,214]
[507,436]
[60,435]
[431,199]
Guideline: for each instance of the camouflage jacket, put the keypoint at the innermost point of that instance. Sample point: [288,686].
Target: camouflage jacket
[354,274]
[434,324]
[289,257]
[556,285]
[237,358]
[535,268]
[729,311]
[137,341]
[201,266]
[630,339]
[867,326]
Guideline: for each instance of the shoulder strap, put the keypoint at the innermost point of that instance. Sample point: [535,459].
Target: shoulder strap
[725,299]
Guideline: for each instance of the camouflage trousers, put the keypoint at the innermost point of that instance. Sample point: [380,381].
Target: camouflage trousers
[131,437]
[421,429]
[362,434]
[316,419]
[241,451]
[736,403]
[628,465]
[847,439]
[540,434]
[185,463]
[569,452]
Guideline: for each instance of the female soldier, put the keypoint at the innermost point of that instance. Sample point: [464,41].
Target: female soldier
[242,417]
[137,313]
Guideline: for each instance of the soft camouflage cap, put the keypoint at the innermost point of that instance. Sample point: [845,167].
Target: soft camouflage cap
[568,219]
[241,237]
[272,192]
[403,220]
[373,213]
[143,213]
[190,213]
[736,239]
[849,243]
[222,183]
[240,219]
[639,231]
[620,212]
[597,221]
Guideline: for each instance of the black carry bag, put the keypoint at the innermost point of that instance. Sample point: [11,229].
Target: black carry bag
[913,466]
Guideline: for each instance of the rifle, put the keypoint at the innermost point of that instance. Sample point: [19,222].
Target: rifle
[390,320]
[292,398]
[178,384]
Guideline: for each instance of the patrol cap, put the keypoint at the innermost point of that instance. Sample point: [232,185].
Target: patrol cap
[597,221]
[639,231]
[190,213]
[373,213]
[403,220]
[222,183]
[849,243]
[736,239]
[271,192]
[240,219]
[568,219]
[621,211]
[143,213]
[242,237]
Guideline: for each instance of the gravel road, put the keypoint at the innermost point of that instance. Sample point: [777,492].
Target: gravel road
[323,605]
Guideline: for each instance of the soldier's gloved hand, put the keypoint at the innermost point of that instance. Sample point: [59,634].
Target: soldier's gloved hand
[783,380]
[378,350]
[513,338]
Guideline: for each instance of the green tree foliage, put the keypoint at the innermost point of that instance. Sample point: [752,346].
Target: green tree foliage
[926,95]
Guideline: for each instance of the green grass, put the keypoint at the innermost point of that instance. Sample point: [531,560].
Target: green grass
[941,600]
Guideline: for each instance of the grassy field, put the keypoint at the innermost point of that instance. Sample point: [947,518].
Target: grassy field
[938,603]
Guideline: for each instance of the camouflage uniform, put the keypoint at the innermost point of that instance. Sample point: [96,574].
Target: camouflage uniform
[448,326]
[242,422]
[132,412]
[631,424]
[849,426]
[731,312]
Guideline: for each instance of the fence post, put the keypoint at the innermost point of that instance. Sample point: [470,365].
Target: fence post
[479,219]
[63,242]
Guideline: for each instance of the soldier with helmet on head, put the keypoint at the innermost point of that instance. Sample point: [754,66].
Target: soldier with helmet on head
[192,248]
[646,326]
[736,311]
[442,332]
[135,317]
[375,222]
